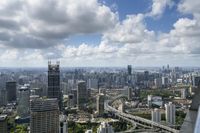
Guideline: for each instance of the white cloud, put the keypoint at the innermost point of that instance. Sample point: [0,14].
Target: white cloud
[159,6]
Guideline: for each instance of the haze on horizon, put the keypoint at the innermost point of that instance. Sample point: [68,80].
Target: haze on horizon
[99,33]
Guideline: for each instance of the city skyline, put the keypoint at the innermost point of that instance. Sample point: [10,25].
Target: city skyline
[99,33]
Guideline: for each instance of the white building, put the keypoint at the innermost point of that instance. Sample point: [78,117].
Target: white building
[105,128]
[155,115]
[158,82]
[170,113]
[88,131]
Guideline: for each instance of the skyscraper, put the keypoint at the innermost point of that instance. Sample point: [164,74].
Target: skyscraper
[23,101]
[44,115]
[11,91]
[129,93]
[129,69]
[81,95]
[100,104]
[54,90]
[63,128]
[155,115]
[170,113]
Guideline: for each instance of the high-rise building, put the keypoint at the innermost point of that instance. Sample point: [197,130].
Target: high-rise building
[81,95]
[105,128]
[93,83]
[158,82]
[100,104]
[11,91]
[129,69]
[129,93]
[196,81]
[54,90]
[23,101]
[155,115]
[3,124]
[165,81]
[63,128]
[170,113]
[44,115]
[3,97]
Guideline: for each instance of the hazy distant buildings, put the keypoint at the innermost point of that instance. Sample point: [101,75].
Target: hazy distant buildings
[170,113]
[54,90]
[100,104]
[23,101]
[82,95]
[11,91]
[44,116]
[105,128]
[165,81]
[3,124]
[155,115]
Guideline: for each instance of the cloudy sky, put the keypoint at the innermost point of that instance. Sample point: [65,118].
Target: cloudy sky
[99,32]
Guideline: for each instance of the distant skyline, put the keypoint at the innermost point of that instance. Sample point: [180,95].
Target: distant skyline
[99,33]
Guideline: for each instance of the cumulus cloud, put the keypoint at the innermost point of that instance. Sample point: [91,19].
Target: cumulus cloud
[44,23]
[159,6]
[43,28]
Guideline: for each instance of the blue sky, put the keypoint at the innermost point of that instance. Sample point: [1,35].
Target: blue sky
[99,32]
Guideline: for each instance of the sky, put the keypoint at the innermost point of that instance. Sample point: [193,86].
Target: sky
[99,33]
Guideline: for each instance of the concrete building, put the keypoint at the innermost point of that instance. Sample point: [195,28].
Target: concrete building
[3,124]
[129,89]
[100,104]
[155,115]
[105,128]
[11,91]
[170,113]
[54,90]
[44,116]
[165,81]
[81,95]
[23,101]
[63,128]
[3,97]
[158,82]
[196,81]
[93,84]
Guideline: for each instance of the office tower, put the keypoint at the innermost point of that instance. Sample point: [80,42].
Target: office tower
[158,82]
[63,128]
[155,115]
[100,104]
[81,95]
[170,113]
[146,75]
[3,124]
[129,69]
[23,101]
[93,83]
[105,128]
[3,97]
[44,115]
[196,81]
[11,91]
[63,87]
[129,93]
[54,90]
[165,81]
